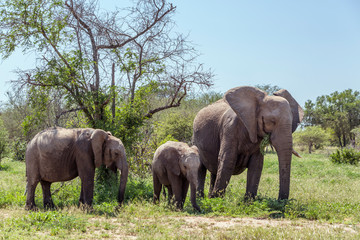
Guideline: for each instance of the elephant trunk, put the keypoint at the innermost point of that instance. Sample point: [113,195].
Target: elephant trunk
[123,180]
[283,145]
[193,196]
[193,180]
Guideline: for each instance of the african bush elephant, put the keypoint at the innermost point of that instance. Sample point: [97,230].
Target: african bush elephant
[228,134]
[59,154]
[175,165]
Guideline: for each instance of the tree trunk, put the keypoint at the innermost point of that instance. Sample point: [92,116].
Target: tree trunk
[113,92]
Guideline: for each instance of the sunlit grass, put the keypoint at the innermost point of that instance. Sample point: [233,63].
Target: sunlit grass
[320,190]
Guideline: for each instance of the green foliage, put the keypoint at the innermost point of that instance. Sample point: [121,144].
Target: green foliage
[268,88]
[356,132]
[4,141]
[312,136]
[345,156]
[319,194]
[339,111]
[178,125]
[106,185]
[53,222]
[28,21]
[139,189]
[19,149]
[264,143]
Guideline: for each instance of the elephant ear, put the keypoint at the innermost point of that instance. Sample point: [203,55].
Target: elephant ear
[171,159]
[98,137]
[297,111]
[244,101]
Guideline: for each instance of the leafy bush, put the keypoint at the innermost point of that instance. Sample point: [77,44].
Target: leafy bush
[346,156]
[3,140]
[19,149]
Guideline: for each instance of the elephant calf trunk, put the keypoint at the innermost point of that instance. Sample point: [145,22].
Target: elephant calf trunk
[193,197]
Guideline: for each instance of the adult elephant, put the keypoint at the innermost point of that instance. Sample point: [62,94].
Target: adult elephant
[228,134]
[59,154]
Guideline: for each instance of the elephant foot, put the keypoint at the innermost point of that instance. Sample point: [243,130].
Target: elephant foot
[218,193]
[200,194]
[248,197]
[86,207]
[49,205]
[196,207]
[31,207]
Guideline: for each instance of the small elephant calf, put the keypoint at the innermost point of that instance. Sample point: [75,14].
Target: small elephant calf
[175,165]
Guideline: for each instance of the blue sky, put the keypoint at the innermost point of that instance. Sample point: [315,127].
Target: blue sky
[308,47]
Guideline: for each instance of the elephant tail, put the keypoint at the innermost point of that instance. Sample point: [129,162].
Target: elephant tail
[26,188]
[164,191]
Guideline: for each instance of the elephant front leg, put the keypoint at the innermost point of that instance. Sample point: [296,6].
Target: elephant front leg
[255,166]
[87,192]
[212,183]
[157,188]
[177,189]
[226,165]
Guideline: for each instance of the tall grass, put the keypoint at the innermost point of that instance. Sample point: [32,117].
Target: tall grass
[320,190]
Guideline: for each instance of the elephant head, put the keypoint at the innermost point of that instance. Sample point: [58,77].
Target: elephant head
[189,163]
[277,115]
[110,151]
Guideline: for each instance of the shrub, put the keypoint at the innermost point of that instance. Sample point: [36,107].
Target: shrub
[19,149]
[345,156]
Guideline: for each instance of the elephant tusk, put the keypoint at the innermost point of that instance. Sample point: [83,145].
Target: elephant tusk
[296,153]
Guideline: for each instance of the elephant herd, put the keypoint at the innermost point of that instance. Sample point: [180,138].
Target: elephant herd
[226,140]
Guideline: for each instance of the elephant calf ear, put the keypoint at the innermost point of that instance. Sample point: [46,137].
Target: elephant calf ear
[98,138]
[171,158]
[244,101]
[297,111]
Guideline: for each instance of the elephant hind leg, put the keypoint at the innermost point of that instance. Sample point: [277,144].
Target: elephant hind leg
[170,193]
[30,198]
[48,203]
[157,188]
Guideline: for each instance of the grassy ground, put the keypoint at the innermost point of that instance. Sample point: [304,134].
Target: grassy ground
[324,204]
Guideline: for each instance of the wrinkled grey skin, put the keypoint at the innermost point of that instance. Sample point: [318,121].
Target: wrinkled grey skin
[228,134]
[175,166]
[59,154]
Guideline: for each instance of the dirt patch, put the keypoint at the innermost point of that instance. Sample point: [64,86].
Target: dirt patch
[224,222]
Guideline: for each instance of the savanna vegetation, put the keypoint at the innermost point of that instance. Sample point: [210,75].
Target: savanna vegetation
[127,71]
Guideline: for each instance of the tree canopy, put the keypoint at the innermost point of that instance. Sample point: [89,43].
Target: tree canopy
[90,58]
[339,111]
[312,136]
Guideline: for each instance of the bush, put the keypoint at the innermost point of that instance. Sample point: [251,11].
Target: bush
[345,156]
[19,149]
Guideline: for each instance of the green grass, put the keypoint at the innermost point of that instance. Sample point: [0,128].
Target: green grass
[324,204]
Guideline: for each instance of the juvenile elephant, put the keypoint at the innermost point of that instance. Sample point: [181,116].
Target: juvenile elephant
[228,134]
[175,165]
[59,154]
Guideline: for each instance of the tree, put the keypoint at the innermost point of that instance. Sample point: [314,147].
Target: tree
[3,139]
[356,132]
[79,45]
[312,136]
[268,88]
[339,111]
